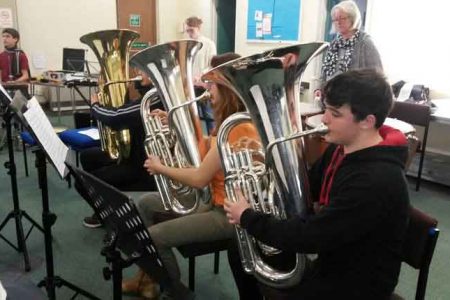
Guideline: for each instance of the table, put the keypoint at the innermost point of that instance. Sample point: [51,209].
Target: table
[441,113]
[58,85]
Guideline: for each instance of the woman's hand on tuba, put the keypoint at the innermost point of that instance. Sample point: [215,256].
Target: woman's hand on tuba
[161,114]
[153,164]
[234,210]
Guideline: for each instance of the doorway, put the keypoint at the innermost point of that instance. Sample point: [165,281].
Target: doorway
[139,16]
[226,24]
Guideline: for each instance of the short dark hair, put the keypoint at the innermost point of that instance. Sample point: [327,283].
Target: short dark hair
[366,91]
[219,59]
[13,32]
[194,21]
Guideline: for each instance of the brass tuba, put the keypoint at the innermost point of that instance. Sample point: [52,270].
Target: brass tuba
[268,85]
[170,68]
[111,47]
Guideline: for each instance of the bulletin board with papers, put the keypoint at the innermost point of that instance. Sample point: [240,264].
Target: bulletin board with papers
[273,20]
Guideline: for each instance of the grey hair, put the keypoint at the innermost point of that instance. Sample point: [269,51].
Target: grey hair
[349,8]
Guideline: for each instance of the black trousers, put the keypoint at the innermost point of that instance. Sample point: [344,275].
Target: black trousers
[126,176]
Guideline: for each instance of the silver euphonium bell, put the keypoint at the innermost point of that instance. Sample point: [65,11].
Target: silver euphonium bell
[277,184]
[169,66]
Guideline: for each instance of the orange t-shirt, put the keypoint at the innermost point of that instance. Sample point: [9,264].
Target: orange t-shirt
[218,182]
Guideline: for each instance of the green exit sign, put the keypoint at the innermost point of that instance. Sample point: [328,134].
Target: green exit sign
[140,45]
[135,20]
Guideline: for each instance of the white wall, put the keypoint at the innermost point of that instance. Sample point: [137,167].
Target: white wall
[47,26]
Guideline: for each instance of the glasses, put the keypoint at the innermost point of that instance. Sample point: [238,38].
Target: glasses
[339,19]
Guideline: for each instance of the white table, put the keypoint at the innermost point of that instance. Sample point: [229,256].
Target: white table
[441,113]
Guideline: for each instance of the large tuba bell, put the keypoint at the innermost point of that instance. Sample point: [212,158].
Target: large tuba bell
[268,84]
[170,68]
[111,47]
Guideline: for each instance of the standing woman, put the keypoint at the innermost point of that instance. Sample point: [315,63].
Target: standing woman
[352,48]
[207,223]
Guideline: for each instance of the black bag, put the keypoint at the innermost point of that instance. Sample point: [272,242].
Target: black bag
[419,93]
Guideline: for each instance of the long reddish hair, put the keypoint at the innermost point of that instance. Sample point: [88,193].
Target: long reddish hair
[228,102]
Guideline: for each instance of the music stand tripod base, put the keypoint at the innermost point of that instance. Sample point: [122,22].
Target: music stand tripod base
[16,214]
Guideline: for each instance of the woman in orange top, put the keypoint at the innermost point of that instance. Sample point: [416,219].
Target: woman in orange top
[208,223]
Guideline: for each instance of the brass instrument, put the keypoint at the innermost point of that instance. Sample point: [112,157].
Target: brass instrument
[268,85]
[170,68]
[111,47]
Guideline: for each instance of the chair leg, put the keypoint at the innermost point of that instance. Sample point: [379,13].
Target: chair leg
[25,160]
[216,262]
[77,158]
[419,173]
[192,273]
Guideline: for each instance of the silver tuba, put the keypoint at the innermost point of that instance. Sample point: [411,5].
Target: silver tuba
[170,68]
[277,184]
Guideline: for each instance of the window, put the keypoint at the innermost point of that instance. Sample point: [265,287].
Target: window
[413,41]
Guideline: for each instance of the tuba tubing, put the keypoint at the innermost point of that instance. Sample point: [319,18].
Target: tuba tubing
[111,47]
[169,66]
[268,85]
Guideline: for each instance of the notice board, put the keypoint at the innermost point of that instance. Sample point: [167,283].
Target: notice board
[273,20]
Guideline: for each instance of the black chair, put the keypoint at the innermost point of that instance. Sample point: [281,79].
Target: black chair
[191,251]
[419,115]
[418,247]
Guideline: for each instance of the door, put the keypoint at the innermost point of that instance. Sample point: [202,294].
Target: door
[226,22]
[139,16]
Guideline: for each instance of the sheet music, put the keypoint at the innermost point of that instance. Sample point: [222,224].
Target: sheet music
[92,133]
[2,89]
[405,92]
[46,135]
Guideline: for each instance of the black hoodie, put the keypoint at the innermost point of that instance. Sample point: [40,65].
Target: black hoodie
[358,235]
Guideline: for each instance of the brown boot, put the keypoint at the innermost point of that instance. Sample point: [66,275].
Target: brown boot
[148,288]
[131,286]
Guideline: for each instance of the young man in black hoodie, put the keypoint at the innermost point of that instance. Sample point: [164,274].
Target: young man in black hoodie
[128,175]
[362,199]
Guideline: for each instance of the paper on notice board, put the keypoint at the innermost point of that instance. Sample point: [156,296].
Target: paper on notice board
[267,24]
[259,29]
[46,135]
[258,15]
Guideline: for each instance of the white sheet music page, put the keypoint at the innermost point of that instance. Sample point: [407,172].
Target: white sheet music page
[2,89]
[91,132]
[43,130]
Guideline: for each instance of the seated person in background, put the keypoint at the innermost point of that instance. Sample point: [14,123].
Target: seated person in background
[206,223]
[128,175]
[362,194]
[13,61]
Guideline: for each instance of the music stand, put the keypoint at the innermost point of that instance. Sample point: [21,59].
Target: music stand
[16,214]
[126,230]
[49,147]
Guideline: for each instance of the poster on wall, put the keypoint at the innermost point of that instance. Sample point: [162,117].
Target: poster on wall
[6,18]
[273,20]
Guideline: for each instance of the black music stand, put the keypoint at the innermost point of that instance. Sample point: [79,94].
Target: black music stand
[30,115]
[126,231]
[16,214]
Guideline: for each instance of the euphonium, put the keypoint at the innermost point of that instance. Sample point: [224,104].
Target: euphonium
[111,47]
[170,68]
[268,85]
